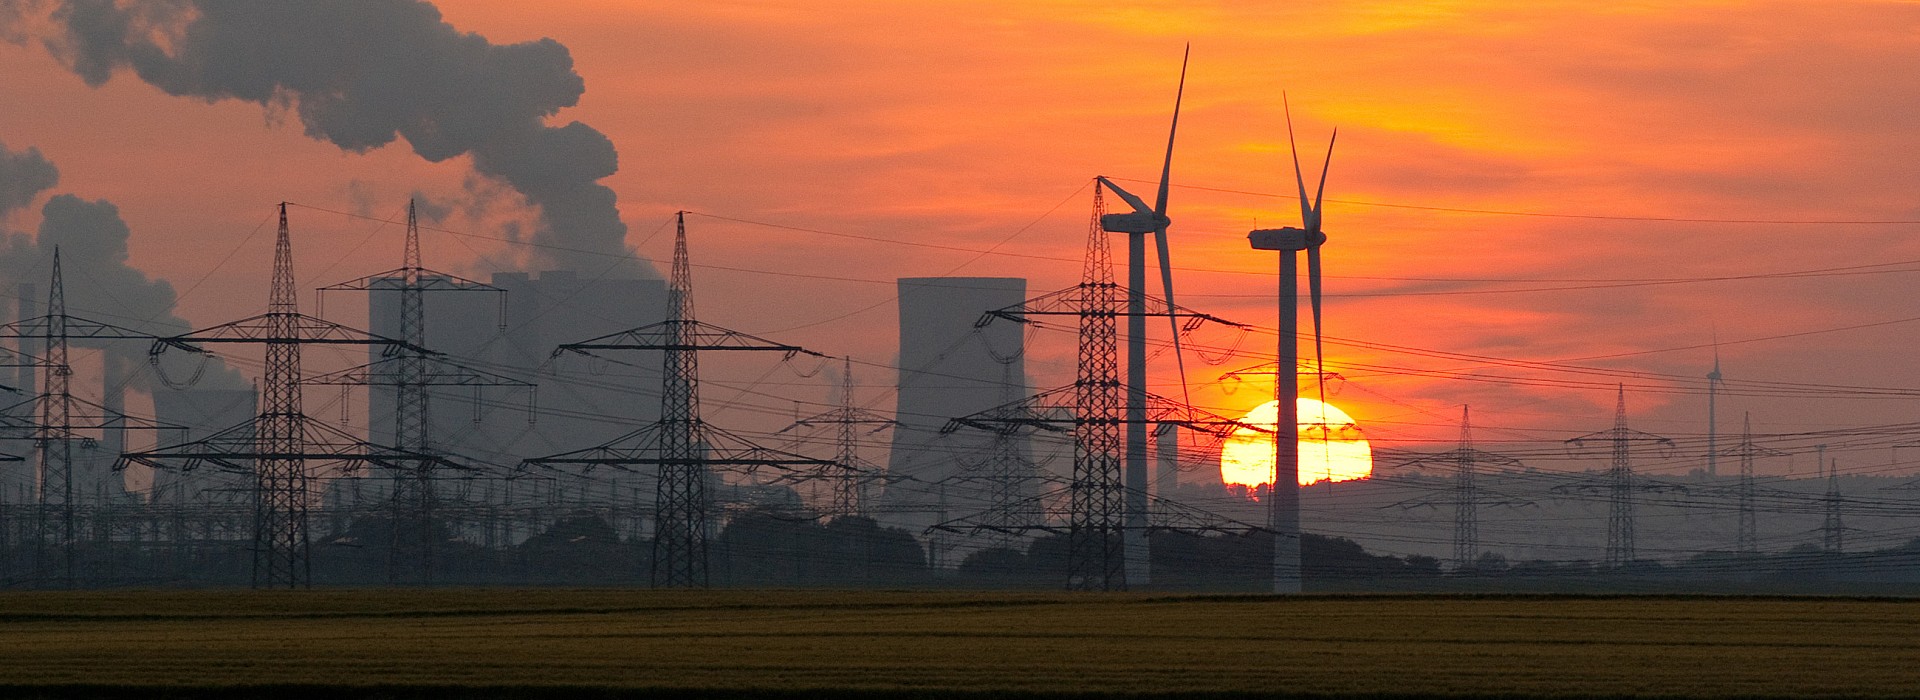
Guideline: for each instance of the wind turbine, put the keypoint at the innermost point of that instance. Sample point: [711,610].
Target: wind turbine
[1284,499]
[1137,224]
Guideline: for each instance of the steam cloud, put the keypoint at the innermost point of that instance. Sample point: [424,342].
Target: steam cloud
[92,240]
[23,176]
[361,73]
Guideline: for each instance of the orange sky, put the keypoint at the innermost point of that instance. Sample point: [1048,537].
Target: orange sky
[962,123]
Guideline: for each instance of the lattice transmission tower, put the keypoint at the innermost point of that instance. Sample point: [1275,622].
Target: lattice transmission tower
[683,447]
[1747,540]
[278,447]
[412,371]
[1620,480]
[53,421]
[1467,495]
[849,475]
[1092,411]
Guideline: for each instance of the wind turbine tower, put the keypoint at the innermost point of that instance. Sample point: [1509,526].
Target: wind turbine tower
[1713,424]
[1284,501]
[1137,224]
[1833,531]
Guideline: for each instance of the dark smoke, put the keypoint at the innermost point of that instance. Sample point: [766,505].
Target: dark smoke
[92,240]
[361,73]
[23,176]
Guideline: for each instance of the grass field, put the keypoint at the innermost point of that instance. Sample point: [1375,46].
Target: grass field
[569,643]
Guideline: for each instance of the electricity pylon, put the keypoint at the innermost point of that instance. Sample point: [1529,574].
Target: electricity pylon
[1620,480]
[1011,473]
[1090,410]
[849,475]
[276,447]
[51,420]
[681,445]
[410,372]
[1467,495]
[1747,539]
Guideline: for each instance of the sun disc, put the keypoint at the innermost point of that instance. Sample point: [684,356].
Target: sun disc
[1331,446]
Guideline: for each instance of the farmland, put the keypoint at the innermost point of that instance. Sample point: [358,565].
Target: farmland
[553,643]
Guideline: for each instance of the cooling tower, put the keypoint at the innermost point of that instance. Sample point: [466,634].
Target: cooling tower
[949,368]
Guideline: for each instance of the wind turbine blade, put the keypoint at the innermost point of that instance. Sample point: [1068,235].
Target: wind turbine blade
[1166,167]
[1306,212]
[1322,190]
[1319,349]
[1139,205]
[1173,317]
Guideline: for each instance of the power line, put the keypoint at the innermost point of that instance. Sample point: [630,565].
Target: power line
[1562,215]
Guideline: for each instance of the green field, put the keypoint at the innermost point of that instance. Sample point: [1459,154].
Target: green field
[566,643]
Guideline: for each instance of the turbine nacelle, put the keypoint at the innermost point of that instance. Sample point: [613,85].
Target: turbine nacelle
[1134,222]
[1287,238]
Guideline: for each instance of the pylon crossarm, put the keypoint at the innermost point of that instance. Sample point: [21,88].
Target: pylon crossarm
[1449,459]
[1603,484]
[643,448]
[671,335]
[1073,301]
[858,416]
[235,448]
[41,433]
[81,414]
[985,521]
[1050,410]
[1173,516]
[1306,373]
[964,478]
[863,471]
[12,358]
[427,281]
[76,329]
[1754,450]
[436,372]
[1482,497]
[307,330]
[1610,435]
[1164,411]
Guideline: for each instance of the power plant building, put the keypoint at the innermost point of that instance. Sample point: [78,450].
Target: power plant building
[583,401]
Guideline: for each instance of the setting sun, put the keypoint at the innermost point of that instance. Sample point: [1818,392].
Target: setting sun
[1337,452]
